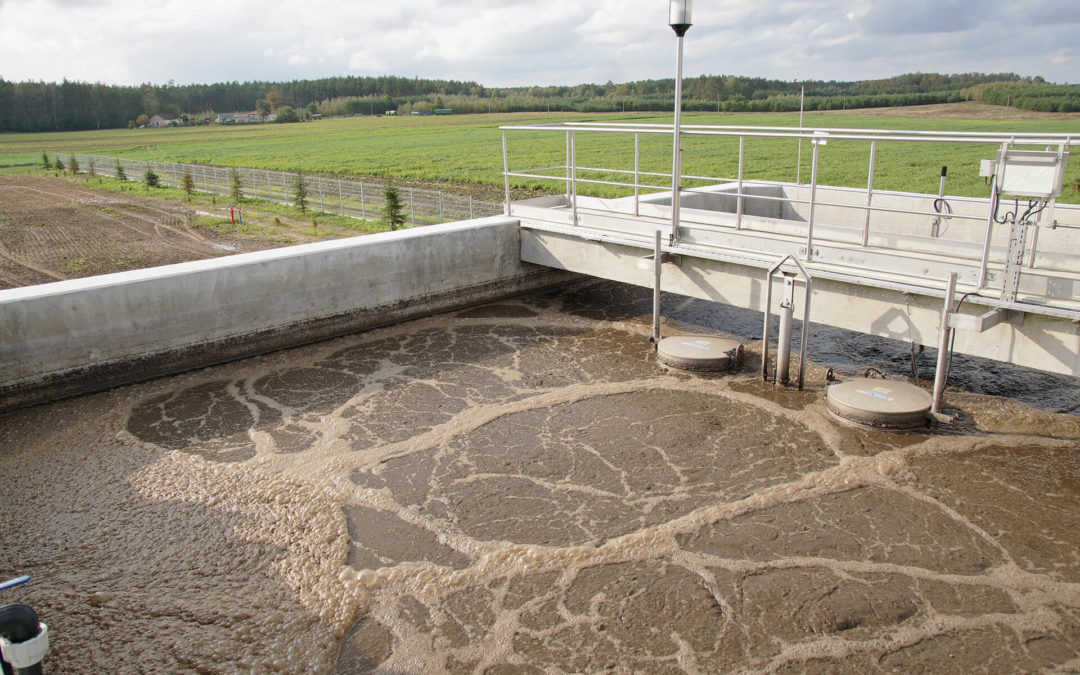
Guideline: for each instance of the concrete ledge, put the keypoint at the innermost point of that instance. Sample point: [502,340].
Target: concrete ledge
[83,335]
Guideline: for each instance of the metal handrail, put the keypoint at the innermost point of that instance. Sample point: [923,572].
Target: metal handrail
[817,136]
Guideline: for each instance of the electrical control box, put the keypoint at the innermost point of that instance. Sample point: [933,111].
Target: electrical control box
[987,168]
[1036,174]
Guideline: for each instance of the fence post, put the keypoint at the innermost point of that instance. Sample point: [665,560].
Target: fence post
[412,206]
[322,207]
[363,203]
[470,208]
[340,201]
[441,219]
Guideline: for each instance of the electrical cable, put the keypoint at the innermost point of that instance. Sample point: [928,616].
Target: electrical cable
[952,338]
[943,208]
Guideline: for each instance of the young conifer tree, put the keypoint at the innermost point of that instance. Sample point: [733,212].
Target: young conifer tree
[393,213]
[300,192]
[187,181]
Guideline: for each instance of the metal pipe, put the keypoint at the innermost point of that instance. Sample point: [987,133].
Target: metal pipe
[798,162]
[506,174]
[568,159]
[813,196]
[573,176]
[676,169]
[657,264]
[805,329]
[783,342]
[869,192]
[935,225]
[739,205]
[637,172]
[984,263]
[765,330]
[944,335]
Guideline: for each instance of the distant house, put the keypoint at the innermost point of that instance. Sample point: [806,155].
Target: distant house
[226,118]
[391,113]
[248,117]
[159,121]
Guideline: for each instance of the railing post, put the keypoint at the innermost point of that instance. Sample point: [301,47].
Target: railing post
[637,172]
[506,173]
[869,193]
[739,206]
[573,176]
[569,143]
[813,198]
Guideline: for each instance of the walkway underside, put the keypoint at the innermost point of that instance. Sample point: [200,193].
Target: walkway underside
[893,287]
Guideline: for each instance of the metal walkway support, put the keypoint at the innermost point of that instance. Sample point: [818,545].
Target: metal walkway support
[784,353]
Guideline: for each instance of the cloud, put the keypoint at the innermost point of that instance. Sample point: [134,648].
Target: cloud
[521,42]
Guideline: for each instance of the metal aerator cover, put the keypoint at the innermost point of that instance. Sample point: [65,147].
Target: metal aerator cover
[699,353]
[879,403]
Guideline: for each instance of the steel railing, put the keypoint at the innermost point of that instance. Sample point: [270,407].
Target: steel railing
[814,198]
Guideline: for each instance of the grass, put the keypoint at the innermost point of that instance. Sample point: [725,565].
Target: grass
[468,148]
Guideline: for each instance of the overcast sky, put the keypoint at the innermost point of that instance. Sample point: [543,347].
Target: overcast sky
[523,42]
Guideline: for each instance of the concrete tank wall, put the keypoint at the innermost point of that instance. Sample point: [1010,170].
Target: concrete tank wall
[89,334]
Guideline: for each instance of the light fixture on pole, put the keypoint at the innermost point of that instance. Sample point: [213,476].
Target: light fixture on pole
[679,19]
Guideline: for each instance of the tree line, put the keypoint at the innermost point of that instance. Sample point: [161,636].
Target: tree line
[71,105]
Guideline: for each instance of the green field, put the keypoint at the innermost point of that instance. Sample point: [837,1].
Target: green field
[468,149]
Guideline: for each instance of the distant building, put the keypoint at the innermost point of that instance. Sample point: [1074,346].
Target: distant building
[226,118]
[391,113]
[159,121]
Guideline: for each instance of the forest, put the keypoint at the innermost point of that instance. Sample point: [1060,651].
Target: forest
[72,105]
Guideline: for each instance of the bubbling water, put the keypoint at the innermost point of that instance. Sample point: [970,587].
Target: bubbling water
[520,488]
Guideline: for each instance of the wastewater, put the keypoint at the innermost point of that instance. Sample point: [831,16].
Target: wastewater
[520,488]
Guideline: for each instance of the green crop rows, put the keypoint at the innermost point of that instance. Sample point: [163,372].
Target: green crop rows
[468,148]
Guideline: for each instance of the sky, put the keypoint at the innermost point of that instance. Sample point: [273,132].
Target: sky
[530,42]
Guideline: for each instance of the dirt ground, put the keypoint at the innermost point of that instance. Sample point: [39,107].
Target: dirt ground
[56,228]
[966,110]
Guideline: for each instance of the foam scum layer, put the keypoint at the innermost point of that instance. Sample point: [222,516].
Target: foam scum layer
[521,488]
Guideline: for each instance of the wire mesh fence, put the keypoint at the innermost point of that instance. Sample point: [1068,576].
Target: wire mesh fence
[329,194]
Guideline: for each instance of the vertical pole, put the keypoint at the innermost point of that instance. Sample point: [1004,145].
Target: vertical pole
[412,206]
[340,201]
[573,176]
[944,335]
[322,206]
[637,172]
[269,189]
[767,312]
[284,189]
[506,173]
[798,162]
[676,168]
[984,264]
[739,206]
[805,331]
[441,219]
[470,208]
[657,264]
[569,142]
[363,204]
[813,198]
[869,193]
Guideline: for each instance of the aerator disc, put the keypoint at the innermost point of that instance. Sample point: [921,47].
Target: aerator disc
[699,353]
[879,403]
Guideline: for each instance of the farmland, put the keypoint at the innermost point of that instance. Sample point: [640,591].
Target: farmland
[54,226]
[457,152]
